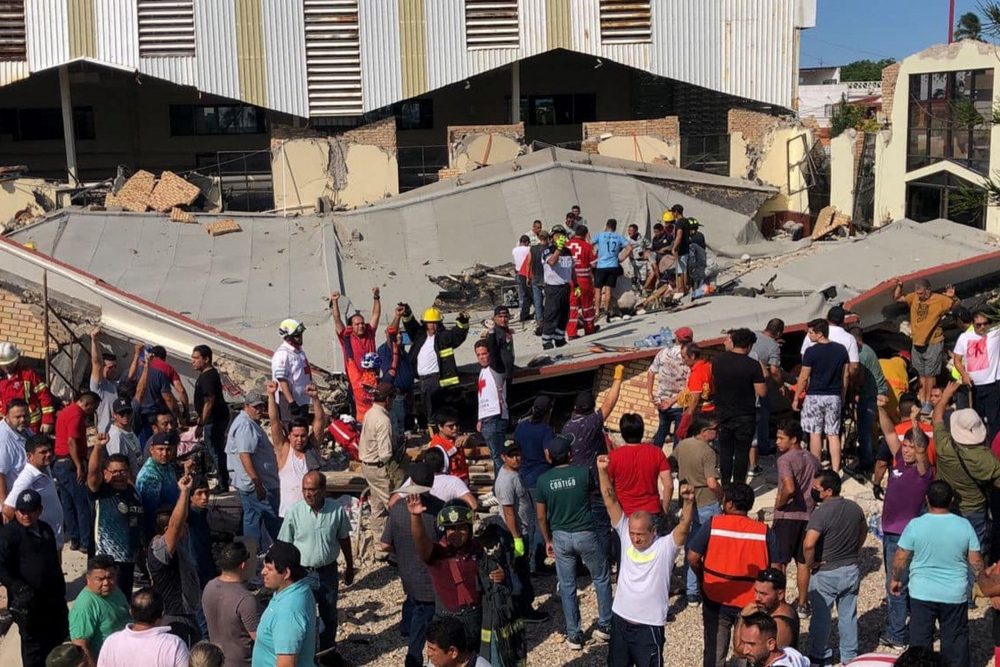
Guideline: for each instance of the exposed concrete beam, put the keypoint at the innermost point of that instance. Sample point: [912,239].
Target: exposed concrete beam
[515,92]
[68,130]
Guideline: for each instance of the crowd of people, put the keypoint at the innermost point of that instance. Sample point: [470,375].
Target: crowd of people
[119,475]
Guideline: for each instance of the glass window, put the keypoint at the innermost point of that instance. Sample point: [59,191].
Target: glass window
[414,114]
[949,118]
[45,124]
[197,120]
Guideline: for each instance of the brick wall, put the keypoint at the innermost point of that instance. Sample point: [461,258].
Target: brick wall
[752,124]
[515,131]
[22,323]
[668,129]
[381,133]
[633,397]
[448,172]
[889,77]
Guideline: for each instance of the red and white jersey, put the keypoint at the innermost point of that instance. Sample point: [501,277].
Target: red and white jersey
[492,394]
[522,260]
[583,257]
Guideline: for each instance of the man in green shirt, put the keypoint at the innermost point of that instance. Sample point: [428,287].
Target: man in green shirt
[965,462]
[562,503]
[99,610]
[321,530]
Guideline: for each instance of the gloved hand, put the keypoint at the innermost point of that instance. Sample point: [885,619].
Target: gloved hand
[878,492]
[518,547]
[560,242]
[576,292]
[407,312]
[463,317]
[619,372]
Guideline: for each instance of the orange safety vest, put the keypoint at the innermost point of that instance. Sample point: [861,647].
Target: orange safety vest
[737,551]
[457,464]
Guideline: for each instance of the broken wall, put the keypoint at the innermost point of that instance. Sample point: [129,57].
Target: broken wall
[474,146]
[355,168]
[633,396]
[656,140]
[843,168]
[22,323]
[24,199]
[771,150]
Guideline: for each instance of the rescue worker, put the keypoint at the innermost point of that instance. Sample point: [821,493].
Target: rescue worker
[446,439]
[727,553]
[581,297]
[24,383]
[432,354]
[357,338]
[557,266]
[290,369]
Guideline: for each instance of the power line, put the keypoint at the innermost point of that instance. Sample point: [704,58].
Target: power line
[850,48]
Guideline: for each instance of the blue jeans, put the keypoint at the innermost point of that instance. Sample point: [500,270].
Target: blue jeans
[667,417]
[417,616]
[75,501]
[867,409]
[896,627]
[536,543]
[828,588]
[258,514]
[537,297]
[700,518]
[494,430]
[569,546]
[325,585]
[607,542]
[763,436]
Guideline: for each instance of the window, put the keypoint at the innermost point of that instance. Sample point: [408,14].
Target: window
[943,195]
[12,34]
[333,57]
[188,120]
[491,24]
[538,110]
[949,119]
[625,21]
[414,115]
[44,124]
[166,28]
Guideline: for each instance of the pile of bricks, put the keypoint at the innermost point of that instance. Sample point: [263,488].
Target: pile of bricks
[172,191]
[144,191]
[889,77]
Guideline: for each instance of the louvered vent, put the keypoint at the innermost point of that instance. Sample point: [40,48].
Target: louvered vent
[333,57]
[491,24]
[166,28]
[625,21]
[12,41]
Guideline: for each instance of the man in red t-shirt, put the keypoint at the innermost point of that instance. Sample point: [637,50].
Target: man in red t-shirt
[158,362]
[357,338]
[69,468]
[638,471]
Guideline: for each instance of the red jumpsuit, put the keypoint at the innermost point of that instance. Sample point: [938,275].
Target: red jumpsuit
[25,383]
[581,294]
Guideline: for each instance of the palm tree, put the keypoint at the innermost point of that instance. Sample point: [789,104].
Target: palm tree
[969,27]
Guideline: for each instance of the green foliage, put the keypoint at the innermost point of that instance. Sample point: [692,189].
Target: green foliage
[969,27]
[849,116]
[865,70]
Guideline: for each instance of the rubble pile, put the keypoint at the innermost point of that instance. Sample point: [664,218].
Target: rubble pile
[144,191]
[477,288]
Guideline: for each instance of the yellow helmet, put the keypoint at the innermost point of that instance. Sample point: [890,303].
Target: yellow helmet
[432,315]
[668,216]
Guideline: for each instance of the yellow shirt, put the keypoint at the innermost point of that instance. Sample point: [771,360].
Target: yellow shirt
[894,371]
[925,318]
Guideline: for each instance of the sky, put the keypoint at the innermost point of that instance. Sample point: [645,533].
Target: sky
[848,30]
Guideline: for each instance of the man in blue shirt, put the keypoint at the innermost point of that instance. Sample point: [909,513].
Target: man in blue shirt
[286,635]
[253,470]
[609,245]
[397,371]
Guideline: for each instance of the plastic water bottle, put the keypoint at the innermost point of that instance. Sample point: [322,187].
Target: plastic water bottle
[875,525]
[666,336]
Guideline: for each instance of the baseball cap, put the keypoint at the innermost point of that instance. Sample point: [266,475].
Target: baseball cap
[501,310]
[284,555]
[510,446]
[254,397]
[382,391]
[121,405]
[421,479]
[541,405]
[65,655]
[561,445]
[684,335]
[163,439]
[28,501]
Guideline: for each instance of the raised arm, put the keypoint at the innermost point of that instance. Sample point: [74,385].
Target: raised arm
[608,491]
[143,382]
[897,291]
[319,414]
[889,430]
[94,472]
[278,439]
[133,366]
[178,518]
[96,360]
[421,541]
[338,322]
[937,417]
[376,308]
[683,529]
[611,398]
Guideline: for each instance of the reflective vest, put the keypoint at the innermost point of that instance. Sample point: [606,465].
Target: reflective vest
[445,342]
[455,461]
[737,551]
[25,384]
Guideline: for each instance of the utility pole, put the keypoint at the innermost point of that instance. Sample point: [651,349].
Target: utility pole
[951,21]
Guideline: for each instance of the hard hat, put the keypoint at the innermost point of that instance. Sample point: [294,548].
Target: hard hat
[371,361]
[432,314]
[454,515]
[668,216]
[693,222]
[290,327]
[9,353]
[558,229]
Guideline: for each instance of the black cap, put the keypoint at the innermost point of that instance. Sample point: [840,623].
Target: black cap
[28,501]
[121,405]
[584,402]
[561,445]
[163,439]
[541,405]
[510,446]
[501,310]
[285,555]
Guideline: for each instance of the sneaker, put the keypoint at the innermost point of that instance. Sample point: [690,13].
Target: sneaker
[488,500]
[803,610]
[694,600]
[575,642]
[884,640]
[534,616]
[548,345]
[602,632]
[757,470]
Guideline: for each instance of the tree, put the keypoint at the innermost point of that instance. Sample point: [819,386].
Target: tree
[969,27]
[865,70]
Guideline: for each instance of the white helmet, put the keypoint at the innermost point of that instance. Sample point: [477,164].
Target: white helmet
[9,353]
[291,327]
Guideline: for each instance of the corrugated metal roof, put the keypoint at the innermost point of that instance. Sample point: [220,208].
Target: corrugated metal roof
[217,69]
[117,38]
[285,55]
[380,52]
[47,24]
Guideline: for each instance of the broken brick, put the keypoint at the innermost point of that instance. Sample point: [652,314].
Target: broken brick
[180,215]
[134,195]
[220,227]
[172,191]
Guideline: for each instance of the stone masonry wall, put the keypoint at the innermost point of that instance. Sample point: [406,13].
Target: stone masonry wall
[668,129]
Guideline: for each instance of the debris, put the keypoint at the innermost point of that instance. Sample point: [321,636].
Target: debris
[179,215]
[13,171]
[477,288]
[221,227]
[134,194]
[828,221]
[172,191]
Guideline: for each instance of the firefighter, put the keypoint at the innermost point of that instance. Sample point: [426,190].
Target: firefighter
[432,354]
[581,296]
[21,382]
[557,266]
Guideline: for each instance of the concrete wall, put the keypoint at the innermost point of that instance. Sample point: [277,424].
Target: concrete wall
[772,150]
[474,146]
[23,199]
[352,169]
[891,176]
[132,125]
[843,169]
[648,141]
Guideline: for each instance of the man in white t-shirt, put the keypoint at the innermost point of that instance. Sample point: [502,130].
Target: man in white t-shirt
[121,439]
[444,487]
[977,360]
[290,369]
[147,639]
[492,405]
[36,476]
[838,334]
[639,611]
